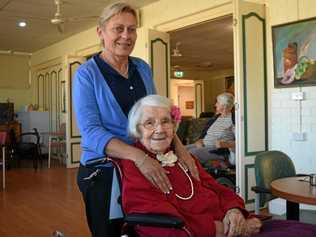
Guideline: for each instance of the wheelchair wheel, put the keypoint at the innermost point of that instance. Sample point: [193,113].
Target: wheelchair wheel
[226,182]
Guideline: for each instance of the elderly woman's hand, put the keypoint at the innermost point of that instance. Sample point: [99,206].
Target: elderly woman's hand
[220,144]
[154,172]
[185,158]
[219,226]
[199,143]
[234,223]
[252,226]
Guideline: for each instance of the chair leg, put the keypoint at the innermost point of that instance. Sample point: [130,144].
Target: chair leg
[35,159]
[3,167]
[58,154]
[49,151]
[257,204]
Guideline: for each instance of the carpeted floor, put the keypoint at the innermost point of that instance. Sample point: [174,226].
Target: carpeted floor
[306,216]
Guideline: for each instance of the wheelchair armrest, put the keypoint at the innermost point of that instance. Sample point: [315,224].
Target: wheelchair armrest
[301,175]
[156,220]
[257,189]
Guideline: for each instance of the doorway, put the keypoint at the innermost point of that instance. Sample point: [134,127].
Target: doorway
[203,54]
[250,76]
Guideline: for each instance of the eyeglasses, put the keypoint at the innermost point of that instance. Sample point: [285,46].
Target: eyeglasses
[152,124]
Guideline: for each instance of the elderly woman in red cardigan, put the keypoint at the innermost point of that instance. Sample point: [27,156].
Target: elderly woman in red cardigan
[207,208]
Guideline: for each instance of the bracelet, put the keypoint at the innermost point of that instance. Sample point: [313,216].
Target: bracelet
[142,162]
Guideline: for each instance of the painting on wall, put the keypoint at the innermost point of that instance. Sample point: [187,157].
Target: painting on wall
[189,104]
[294,53]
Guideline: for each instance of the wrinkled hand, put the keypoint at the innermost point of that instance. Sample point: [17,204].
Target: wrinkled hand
[154,172]
[251,227]
[199,143]
[234,223]
[188,162]
[220,144]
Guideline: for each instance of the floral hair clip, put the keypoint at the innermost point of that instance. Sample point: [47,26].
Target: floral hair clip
[175,113]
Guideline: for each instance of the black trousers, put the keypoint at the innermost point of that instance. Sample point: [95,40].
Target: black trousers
[96,192]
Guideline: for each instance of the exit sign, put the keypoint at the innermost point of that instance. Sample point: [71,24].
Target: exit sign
[178,74]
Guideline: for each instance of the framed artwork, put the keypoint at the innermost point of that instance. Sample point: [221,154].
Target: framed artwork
[189,104]
[294,53]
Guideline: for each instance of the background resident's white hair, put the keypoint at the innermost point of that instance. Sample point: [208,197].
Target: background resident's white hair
[136,113]
[226,99]
[114,9]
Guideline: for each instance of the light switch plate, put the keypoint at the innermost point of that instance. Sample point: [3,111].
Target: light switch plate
[299,136]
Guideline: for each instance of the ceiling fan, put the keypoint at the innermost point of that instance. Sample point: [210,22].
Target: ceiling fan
[59,19]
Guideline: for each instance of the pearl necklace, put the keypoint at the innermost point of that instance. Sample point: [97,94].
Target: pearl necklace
[191,184]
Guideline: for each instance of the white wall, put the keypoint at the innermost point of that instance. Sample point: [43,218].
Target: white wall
[14,80]
[286,115]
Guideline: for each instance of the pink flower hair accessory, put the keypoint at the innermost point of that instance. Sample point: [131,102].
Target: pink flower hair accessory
[175,113]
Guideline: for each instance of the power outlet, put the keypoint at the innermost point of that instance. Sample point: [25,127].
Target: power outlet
[297,95]
[299,136]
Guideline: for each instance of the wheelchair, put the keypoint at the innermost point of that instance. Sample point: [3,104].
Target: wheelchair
[222,170]
[123,225]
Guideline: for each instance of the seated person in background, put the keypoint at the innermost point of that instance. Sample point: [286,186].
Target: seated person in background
[207,208]
[218,137]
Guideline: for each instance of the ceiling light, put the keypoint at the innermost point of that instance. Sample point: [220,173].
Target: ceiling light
[22,24]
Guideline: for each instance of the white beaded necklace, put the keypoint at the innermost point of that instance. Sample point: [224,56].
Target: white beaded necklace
[170,159]
[191,184]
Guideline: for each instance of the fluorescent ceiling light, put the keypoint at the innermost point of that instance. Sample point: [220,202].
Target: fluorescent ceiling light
[22,24]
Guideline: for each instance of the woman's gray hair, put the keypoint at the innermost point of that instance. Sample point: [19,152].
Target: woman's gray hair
[226,99]
[136,113]
[115,9]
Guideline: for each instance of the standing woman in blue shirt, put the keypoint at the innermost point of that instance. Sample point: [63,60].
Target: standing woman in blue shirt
[105,89]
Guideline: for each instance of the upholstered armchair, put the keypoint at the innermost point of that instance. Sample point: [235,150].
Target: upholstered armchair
[190,129]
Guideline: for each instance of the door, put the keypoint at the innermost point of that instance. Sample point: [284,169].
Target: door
[199,97]
[159,60]
[250,91]
[73,136]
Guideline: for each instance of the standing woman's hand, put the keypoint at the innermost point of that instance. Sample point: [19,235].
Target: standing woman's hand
[185,158]
[154,172]
[234,222]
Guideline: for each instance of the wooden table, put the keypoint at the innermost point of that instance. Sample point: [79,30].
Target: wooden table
[294,190]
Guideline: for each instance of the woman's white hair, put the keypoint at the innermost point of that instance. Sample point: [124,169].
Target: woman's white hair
[136,113]
[115,9]
[226,99]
